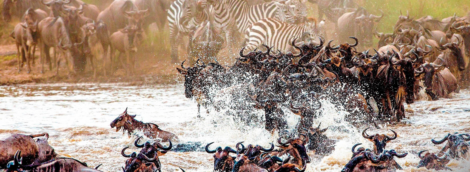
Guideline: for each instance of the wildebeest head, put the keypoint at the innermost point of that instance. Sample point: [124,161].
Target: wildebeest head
[189,74]
[363,161]
[132,33]
[379,140]
[27,30]
[314,134]
[151,149]
[136,17]
[429,70]
[365,24]
[296,148]
[138,162]
[252,152]
[384,38]
[31,21]
[123,121]
[456,52]
[456,143]
[46,151]
[222,160]
[432,161]
[465,32]
[57,6]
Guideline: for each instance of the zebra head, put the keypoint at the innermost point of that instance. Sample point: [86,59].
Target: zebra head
[192,8]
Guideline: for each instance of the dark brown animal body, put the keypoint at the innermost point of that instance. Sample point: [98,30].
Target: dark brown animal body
[223,162]
[139,162]
[380,140]
[432,162]
[126,42]
[53,36]
[34,152]
[127,122]
[456,146]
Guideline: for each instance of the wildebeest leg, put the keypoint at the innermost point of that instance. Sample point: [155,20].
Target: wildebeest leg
[198,110]
[29,58]
[92,65]
[58,65]
[18,57]
[123,64]
[129,63]
[32,55]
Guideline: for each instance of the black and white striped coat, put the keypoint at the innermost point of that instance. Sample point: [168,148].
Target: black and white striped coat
[183,17]
[277,34]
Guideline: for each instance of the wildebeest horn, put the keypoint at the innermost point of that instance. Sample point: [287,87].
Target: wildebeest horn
[400,155]
[357,42]
[321,43]
[124,154]
[276,159]
[293,44]
[268,150]
[417,56]
[319,126]
[466,138]
[165,148]
[354,148]
[136,143]
[328,45]
[182,66]
[284,144]
[444,157]
[419,70]
[268,49]
[207,148]
[67,2]
[458,41]
[440,141]
[149,159]
[16,158]
[243,147]
[435,65]
[365,135]
[420,152]
[241,52]
[394,137]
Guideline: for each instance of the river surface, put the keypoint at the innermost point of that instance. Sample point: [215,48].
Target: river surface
[78,117]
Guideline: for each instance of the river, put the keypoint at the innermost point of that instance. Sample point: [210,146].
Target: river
[78,117]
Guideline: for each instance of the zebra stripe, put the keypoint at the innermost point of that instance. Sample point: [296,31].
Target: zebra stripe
[181,22]
[277,34]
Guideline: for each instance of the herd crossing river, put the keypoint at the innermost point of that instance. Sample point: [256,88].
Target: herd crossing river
[77,117]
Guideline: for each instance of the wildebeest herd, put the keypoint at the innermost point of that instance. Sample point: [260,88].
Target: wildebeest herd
[286,65]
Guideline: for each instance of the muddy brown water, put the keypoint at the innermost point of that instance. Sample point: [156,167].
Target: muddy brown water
[78,116]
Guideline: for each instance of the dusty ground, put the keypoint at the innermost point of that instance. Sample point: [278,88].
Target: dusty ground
[150,69]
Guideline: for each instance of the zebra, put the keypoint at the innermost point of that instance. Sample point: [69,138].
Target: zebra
[241,15]
[279,35]
[184,16]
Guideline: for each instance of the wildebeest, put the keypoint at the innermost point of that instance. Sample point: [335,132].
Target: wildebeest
[139,162]
[363,160]
[23,35]
[126,42]
[296,149]
[34,152]
[127,122]
[438,80]
[222,159]
[319,142]
[358,24]
[432,162]
[55,36]
[121,13]
[380,140]
[153,150]
[456,146]
[18,7]
[60,164]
